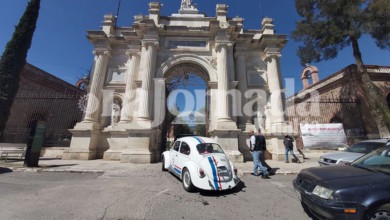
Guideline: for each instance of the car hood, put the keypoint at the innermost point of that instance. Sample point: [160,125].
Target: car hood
[344,156]
[342,176]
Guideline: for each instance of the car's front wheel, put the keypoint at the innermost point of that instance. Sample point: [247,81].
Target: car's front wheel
[382,213]
[187,182]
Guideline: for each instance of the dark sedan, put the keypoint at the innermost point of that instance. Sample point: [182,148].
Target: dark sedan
[360,190]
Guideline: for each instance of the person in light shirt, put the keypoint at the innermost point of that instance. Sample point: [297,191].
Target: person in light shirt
[255,148]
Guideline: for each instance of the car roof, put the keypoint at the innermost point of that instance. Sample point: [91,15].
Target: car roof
[375,141]
[184,135]
[195,140]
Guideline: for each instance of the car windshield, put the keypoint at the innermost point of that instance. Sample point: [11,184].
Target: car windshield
[364,147]
[208,148]
[378,161]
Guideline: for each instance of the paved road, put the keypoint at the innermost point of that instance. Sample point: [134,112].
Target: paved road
[144,192]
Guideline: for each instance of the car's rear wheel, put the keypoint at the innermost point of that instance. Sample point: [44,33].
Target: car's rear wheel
[381,213]
[186,180]
[163,164]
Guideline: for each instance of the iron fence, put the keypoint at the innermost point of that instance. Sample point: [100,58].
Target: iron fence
[59,111]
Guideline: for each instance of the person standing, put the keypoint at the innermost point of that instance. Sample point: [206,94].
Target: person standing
[260,140]
[288,145]
[255,151]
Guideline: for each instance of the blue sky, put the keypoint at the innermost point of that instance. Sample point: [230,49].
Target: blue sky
[60,46]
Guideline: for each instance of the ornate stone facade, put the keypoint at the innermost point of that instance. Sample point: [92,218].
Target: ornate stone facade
[155,48]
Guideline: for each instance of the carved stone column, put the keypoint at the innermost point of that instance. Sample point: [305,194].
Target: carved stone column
[272,60]
[225,131]
[147,69]
[92,110]
[86,134]
[223,81]
[132,62]
[245,120]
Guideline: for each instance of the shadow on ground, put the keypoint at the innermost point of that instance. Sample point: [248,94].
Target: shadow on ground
[273,171]
[239,188]
[5,170]
[54,166]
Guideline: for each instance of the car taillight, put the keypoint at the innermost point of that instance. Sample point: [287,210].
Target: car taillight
[201,173]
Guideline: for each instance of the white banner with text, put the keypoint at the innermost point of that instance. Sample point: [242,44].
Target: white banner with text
[323,135]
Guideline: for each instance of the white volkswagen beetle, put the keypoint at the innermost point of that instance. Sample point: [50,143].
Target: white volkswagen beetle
[201,163]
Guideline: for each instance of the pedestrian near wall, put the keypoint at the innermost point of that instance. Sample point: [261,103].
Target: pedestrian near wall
[289,148]
[299,149]
[255,151]
[260,139]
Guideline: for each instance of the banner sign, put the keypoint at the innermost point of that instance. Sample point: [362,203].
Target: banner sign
[323,135]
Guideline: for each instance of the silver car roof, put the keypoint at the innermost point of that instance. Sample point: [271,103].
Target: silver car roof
[375,141]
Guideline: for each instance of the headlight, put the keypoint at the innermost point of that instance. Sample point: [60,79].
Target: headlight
[323,192]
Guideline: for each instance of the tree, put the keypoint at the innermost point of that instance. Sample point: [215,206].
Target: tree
[200,130]
[14,58]
[331,25]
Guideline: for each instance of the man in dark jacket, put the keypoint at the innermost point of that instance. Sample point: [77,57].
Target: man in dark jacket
[289,147]
[260,140]
[255,151]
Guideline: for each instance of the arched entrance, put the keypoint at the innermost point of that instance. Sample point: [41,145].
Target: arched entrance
[187,103]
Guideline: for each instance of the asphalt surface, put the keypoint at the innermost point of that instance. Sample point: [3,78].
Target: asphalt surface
[141,192]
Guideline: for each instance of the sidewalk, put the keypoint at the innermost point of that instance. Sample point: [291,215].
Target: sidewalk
[280,167]
[102,166]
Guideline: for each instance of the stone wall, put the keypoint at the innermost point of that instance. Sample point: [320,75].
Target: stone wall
[339,98]
[44,97]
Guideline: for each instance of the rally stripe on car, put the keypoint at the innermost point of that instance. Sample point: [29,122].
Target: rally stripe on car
[213,168]
[199,139]
[177,169]
[219,177]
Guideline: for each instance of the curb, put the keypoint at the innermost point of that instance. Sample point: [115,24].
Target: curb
[246,173]
[47,170]
[43,170]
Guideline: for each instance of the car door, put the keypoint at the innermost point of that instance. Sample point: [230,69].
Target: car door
[174,157]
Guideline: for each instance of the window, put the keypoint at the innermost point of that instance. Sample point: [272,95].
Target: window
[208,148]
[185,149]
[177,145]
[365,147]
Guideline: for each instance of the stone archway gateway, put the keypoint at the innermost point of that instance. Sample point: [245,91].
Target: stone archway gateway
[132,64]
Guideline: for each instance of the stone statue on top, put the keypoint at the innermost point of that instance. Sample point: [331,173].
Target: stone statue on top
[186,4]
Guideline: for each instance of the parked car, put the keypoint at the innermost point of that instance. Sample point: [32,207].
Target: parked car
[352,153]
[201,163]
[360,190]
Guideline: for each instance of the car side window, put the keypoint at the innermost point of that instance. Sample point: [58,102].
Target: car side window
[185,149]
[177,145]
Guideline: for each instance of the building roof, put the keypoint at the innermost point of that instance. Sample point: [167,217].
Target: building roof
[34,74]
